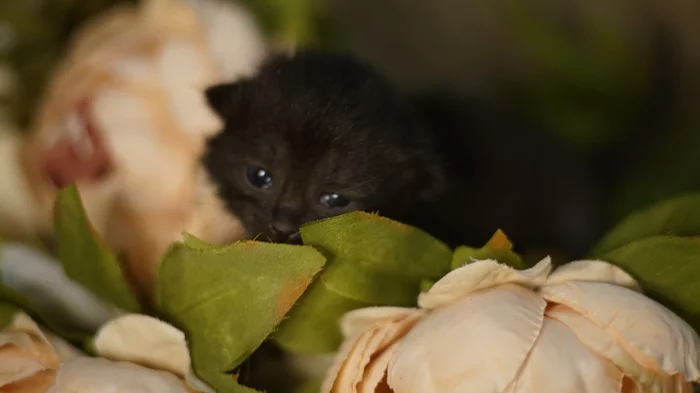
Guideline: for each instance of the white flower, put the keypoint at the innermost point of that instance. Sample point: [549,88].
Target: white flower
[487,328]
[138,353]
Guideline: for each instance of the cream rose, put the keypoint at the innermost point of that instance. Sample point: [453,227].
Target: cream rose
[487,328]
[137,353]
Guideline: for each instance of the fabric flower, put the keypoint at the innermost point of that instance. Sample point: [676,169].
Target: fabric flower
[125,117]
[488,328]
[137,353]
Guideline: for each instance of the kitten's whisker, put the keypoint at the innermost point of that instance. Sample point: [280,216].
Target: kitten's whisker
[356,186]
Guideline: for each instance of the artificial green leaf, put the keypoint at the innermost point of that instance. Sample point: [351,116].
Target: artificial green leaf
[7,314]
[11,302]
[229,299]
[194,242]
[10,296]
[679,216]
[425,285]
[377,242]
[372,261]
[313,326]
[667,268]
[313,386]
[498,248]
[39,283]
[86,258]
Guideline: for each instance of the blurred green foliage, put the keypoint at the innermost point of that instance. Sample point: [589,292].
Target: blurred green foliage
[589,80]
[299,22]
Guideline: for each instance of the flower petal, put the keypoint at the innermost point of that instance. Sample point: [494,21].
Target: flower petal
[97,375]
[559,362]
[653,335]
[27,355]
[40,382]
[358,352]
[376,371]
[357,321]
[146,341]
[476,344]
[63,349]
[15,367]
[597,271]
[480,275]
[24,350]
[606,346]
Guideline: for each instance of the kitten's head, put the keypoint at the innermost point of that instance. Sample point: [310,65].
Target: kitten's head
[316,135]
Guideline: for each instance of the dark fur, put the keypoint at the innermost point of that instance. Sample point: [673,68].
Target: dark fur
[506,172]
[324,122]
[319,123]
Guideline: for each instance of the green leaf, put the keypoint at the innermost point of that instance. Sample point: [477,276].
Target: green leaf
[372,261]
[37,283]
[313,325]
[10,296]
[498,248]
[229,299]
[7,314]
[193,242]
[667,268]
[678,216]
[12,302]
[313,386]
[86,258]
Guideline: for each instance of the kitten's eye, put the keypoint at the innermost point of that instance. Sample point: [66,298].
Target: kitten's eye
[333,200]
[259,177]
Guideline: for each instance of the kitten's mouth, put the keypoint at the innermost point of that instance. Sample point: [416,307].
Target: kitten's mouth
[78,155]
[282,238]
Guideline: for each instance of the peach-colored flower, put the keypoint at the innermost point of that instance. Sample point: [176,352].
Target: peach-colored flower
[488,328]
[30,356]
[137,353]
[125,118]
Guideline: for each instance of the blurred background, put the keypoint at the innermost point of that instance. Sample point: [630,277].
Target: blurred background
[615,81]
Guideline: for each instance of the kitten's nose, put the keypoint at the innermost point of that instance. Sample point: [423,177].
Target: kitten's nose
[282,232]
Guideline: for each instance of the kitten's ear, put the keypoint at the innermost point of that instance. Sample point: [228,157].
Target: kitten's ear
[224,98]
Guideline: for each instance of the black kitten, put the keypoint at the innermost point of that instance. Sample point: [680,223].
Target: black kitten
[315,135]
[505,171]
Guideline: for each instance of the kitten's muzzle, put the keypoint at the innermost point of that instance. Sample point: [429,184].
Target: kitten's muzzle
[284,233]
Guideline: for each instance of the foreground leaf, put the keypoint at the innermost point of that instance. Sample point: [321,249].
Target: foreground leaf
[498,248]
[12,302]
[372,261]
[86,258]
[667,268]
[678,216]
[64,304]
[228,299]
[7,313]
